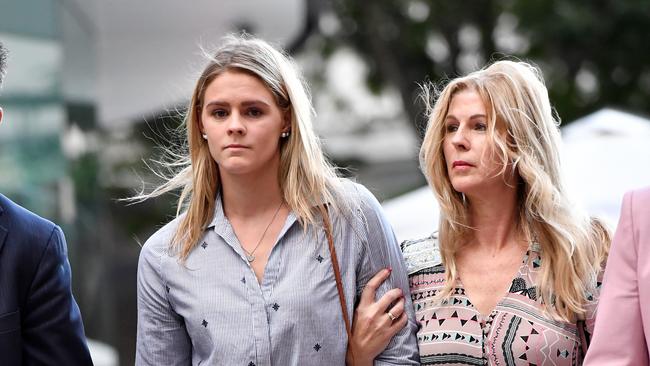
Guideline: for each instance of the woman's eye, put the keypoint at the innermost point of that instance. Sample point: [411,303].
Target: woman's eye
[452,128]
[254,112]
[481,126]
[220,113]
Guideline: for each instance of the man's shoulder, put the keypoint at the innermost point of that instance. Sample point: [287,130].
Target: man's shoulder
[21,223]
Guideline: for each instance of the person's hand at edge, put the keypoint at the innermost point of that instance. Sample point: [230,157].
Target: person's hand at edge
[375,323]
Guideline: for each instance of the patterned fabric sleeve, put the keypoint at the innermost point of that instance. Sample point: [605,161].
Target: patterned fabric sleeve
[591,308]
[586,326]
[421,253]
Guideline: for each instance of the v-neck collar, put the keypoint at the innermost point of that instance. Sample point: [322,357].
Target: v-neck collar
[222,227]
[522,271]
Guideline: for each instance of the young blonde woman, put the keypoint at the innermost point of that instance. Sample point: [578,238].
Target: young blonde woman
[512,276]
[244,274]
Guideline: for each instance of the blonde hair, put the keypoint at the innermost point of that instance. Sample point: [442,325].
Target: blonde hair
[574,246]
[306,178]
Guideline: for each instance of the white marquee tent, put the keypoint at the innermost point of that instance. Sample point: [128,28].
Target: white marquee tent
[605,154]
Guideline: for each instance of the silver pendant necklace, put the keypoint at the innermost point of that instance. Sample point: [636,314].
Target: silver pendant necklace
[250,256]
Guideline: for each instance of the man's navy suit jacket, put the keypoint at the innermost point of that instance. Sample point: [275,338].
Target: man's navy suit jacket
[40,322]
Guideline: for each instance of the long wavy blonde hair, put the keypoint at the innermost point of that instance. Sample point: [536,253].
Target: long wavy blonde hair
[305,177]
[574,246]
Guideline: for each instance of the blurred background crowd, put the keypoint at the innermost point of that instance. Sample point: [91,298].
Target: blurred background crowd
[95,87]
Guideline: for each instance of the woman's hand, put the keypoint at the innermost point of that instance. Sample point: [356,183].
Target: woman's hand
[375,323]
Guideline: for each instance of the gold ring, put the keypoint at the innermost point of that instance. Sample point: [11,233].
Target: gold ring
[391,316]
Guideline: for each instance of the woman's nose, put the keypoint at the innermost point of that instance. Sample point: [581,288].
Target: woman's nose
[235,124]
[459,139]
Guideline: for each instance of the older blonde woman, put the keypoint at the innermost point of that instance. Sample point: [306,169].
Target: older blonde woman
[512,275]
[247,273]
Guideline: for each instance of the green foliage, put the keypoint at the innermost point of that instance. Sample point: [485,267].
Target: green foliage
[592,53]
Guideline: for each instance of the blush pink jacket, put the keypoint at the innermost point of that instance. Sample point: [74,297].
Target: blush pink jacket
[622,332]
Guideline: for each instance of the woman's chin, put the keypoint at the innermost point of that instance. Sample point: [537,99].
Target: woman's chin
[236,169]
[465,186]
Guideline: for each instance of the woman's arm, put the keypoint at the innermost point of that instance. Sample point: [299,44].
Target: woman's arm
[51,314]
[618,334]
[162,338]
[382,251]
[372,328]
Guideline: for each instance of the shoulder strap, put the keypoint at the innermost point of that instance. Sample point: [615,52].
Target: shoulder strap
[335,266]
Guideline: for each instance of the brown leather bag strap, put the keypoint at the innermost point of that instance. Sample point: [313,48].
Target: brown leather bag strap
[335,267]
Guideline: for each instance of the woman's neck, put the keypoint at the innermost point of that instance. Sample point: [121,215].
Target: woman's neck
[494,219]
[250,195]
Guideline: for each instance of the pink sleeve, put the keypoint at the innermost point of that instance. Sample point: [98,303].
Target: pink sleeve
[618,337]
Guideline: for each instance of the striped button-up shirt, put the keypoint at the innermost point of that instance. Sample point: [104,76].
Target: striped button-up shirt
[212,310]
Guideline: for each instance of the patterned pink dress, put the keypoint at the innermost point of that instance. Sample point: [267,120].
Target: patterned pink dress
[516,332]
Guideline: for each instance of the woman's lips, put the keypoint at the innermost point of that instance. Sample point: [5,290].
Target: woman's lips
[235,146]
[461,163]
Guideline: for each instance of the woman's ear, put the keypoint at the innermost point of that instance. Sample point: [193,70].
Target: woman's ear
[287,121]
[202,132]
[199,120]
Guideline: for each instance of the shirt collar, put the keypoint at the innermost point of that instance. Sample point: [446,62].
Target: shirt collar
[219,220]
